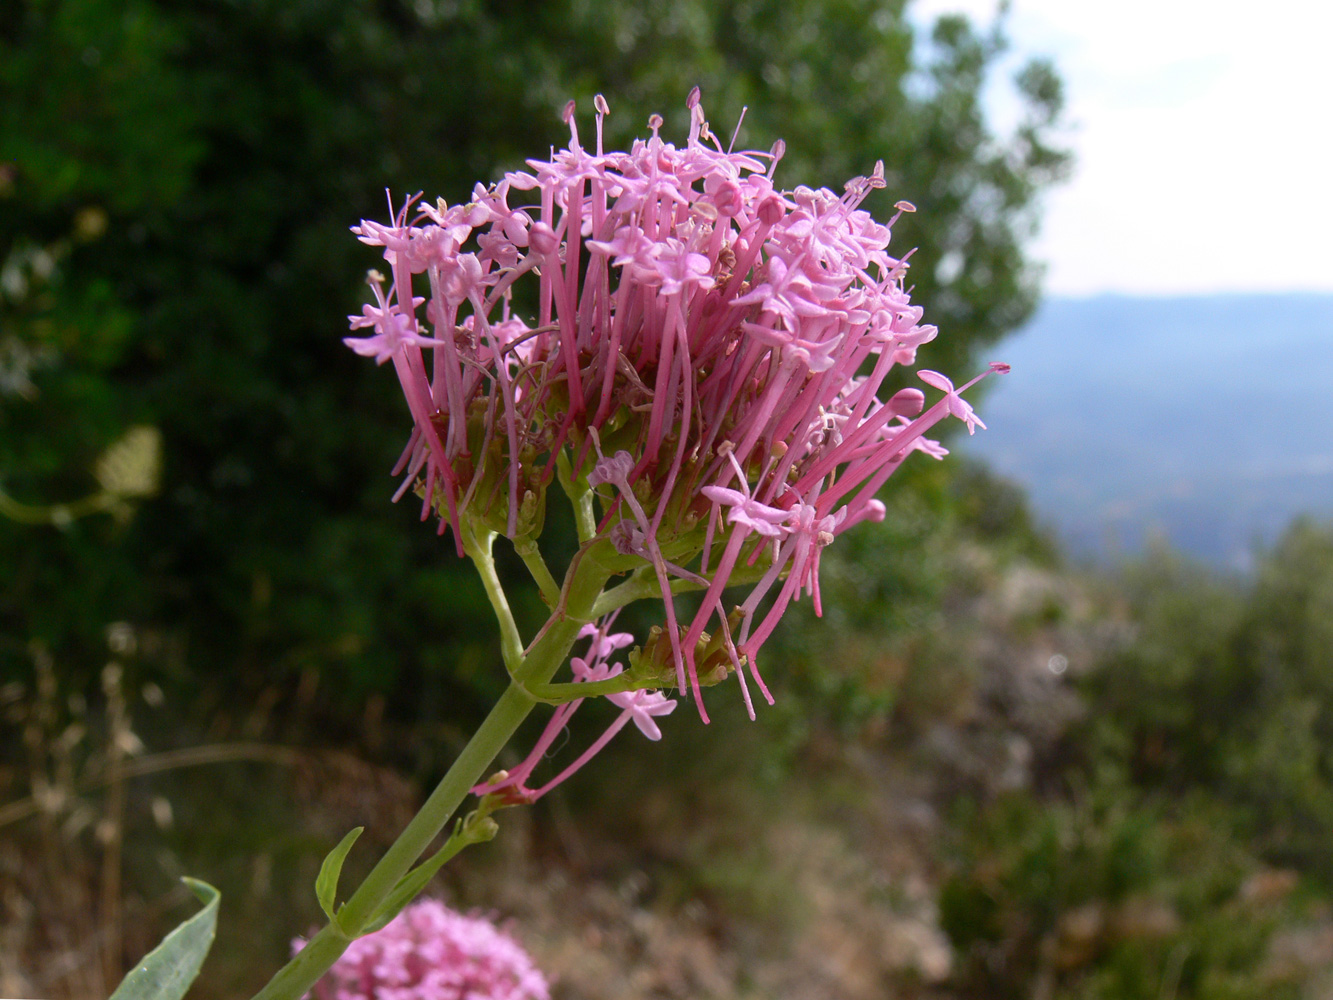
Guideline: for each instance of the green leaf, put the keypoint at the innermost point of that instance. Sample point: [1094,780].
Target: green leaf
[326,885]
[169,969]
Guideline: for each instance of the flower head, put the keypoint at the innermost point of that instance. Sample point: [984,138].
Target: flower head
[430,952]
[707,352]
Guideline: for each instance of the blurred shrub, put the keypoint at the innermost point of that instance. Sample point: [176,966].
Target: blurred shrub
[1227,687]
[1159,857]
[1107,894]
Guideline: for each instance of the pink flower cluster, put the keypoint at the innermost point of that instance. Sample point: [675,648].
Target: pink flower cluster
[706,349]
[430,952]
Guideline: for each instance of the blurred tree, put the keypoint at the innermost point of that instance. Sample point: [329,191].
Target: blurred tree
[176,183]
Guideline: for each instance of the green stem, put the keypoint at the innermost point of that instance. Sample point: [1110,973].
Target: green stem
[296,978]
[642,584]
[477,544]
[532,559]
[465,834]
[558,694]
[579,495]
[582,587]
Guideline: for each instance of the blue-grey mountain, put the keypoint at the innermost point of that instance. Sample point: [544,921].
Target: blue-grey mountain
[1208,420]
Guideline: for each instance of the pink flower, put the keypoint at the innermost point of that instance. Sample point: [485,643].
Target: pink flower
[745,509]
[430,952]
[748,511]
[958,406]
[677,268]
[642,706]
[394,331]
[736,342]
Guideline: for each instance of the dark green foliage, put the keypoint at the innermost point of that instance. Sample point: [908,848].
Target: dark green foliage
[176,183]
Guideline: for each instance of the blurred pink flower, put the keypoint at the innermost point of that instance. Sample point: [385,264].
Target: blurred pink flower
[430,952]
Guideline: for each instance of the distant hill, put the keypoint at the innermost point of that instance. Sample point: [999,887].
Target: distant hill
[1208,420]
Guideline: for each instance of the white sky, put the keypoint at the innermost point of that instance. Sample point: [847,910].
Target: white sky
[1203,131]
